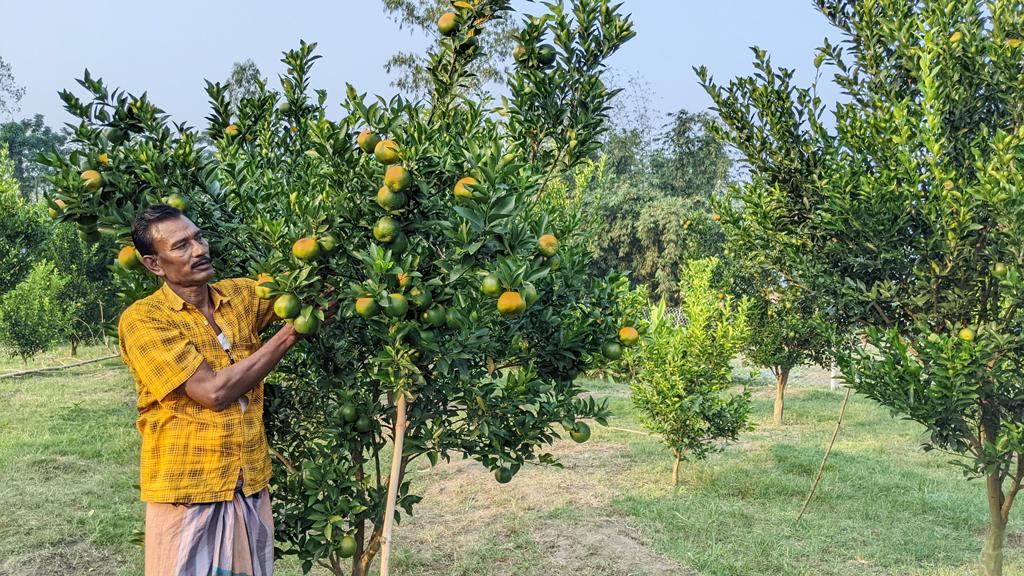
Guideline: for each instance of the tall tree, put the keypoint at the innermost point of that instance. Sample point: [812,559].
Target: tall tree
[411,71]
[25,140]
[10,92]
[245,81]
[906,215]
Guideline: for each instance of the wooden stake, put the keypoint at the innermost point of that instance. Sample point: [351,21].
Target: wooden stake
[393,482]
[821,469]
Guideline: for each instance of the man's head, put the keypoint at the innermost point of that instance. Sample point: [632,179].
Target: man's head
[172,247]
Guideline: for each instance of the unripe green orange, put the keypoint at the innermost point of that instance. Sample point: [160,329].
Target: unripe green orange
[399,306]
[386,229]
[263,292]
[580,432]
[611,350]
[389,200]
[307,324]
[176,201]
[328,243]
[287,306]
[490,285]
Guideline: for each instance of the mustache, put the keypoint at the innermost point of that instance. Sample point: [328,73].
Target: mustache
[202,261]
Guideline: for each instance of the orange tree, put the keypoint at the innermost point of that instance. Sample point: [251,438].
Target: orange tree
[906,214]
[467,311]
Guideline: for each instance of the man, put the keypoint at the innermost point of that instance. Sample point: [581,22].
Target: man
[195,352]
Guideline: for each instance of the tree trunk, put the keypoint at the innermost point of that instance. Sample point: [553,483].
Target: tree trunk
[834,381]
[74,346]
[781,378]
[992,553]
[675,467]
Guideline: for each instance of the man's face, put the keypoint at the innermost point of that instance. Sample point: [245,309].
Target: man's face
[182,254]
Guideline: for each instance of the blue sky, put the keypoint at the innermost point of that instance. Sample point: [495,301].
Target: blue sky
[168,49]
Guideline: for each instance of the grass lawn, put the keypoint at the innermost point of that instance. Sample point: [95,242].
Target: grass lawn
[68,465]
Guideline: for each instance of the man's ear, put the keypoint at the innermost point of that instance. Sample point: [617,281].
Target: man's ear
[152,263]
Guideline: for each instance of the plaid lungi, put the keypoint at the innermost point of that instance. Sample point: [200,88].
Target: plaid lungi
[233,538]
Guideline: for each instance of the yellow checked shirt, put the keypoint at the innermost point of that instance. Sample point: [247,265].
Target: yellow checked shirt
[190,453]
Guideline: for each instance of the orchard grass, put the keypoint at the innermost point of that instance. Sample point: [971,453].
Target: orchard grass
[68,496]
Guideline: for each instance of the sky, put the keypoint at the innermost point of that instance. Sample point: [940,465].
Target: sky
[168,49]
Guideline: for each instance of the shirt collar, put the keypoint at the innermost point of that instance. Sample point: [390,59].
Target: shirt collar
[218,296]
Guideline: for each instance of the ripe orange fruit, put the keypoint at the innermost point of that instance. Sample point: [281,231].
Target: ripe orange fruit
[92,179]
[580,432]
[103,159]
[447,24]
[231,130]
[176,201]
[389,200]
[462,187]
[611,350]
[127,257]
[367,307]
[367,141]
[628,335]
[490,285]
[386,152]
[511,303]
[547,244]
[262,291]
[306,248]
[967,334]
[397,178]
[307,323]
[716,217]
[399,306]
[386,229]
[287,306]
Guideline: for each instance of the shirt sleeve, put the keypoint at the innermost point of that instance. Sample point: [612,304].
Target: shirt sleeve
[157,351]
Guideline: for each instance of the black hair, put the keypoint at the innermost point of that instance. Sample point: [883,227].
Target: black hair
[142,230]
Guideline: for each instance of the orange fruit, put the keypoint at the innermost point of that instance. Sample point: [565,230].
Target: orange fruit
[503,475]
[490,285]
[287,306]
[403,279]
[327,242]
[397,178]
[447,23]
[55,212]
[231,130]
[967,334]
[399,306]
[367,307]
[546,54]
[580,432]
[716,217]
[628,335]
[530,293]
[420,298]
[367,141]
[263,292]
[92,179]
[127,257]
[611,350]
[462,187]
[386,152]
[306,248]
[176,201]
[434,316]
[511,303]
[547,244]
[103,159]
[347,546]
[386,229]
[389,200]
[307,323]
